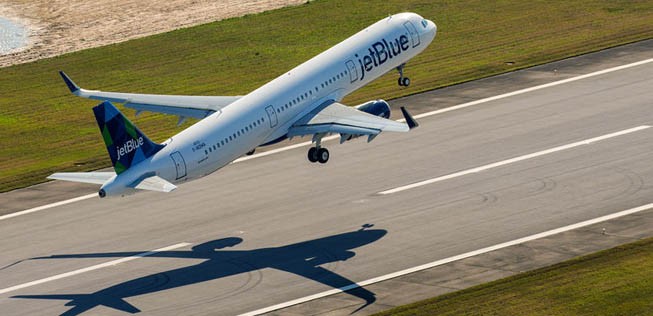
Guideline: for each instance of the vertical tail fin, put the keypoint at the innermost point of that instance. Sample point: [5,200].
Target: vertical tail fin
[126,144]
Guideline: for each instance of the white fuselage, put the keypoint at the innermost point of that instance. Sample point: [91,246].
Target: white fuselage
[266,114]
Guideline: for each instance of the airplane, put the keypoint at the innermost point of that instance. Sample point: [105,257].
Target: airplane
[304,101]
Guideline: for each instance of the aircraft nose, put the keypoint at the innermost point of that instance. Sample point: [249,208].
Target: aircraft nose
[432,27]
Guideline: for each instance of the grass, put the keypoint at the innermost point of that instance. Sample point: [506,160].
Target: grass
[617,281]
[44,129]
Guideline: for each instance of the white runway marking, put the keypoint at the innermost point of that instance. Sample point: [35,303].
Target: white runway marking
[44,207]
[451,259]
[453,108]
[91,268]
[542,86]
[513,160]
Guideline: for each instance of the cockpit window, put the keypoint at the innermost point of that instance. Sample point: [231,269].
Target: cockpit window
[424,23]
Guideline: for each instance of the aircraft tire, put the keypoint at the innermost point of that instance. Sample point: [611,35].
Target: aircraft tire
[312,154]
[323,155]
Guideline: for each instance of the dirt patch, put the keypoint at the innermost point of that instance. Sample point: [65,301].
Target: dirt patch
[62,26]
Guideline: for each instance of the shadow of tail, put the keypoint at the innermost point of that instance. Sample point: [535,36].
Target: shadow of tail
[85,302]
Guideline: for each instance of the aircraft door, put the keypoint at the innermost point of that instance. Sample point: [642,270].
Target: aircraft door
[272,115]
[414,36]
[180,164]
[351,68]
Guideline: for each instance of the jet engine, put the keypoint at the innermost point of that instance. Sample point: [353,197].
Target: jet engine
[376,107]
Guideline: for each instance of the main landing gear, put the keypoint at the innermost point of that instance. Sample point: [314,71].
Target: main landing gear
[317,153]
[402,81]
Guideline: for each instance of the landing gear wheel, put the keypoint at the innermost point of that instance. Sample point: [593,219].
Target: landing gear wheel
[312,154]
[323,155]
[402,81]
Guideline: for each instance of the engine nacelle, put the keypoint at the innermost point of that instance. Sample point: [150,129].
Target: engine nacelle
[376,107]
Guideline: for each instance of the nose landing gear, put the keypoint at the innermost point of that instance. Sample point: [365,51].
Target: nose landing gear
[402,81]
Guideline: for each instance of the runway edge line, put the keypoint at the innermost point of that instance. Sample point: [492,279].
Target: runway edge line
[451,259]
[525,90]
[47,206]
[91,268]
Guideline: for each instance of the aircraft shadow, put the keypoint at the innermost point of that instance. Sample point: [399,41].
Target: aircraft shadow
[303,259]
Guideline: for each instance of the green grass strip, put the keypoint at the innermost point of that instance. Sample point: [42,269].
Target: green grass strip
[617,281]
[44,129]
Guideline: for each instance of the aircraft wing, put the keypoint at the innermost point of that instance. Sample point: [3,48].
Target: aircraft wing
[84,177]
[347,121]
[180,105]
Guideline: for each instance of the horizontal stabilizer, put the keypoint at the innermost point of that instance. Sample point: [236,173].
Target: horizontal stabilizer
[155,183]
[84,177]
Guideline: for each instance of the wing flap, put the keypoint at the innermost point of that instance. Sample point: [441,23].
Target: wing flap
[84,177]
[330,128]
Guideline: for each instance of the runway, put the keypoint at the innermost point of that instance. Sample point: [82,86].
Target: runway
[276,228]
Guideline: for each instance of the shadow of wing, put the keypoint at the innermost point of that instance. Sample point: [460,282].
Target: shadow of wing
[333,280]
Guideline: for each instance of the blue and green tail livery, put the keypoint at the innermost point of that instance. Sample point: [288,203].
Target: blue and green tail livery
[126,144]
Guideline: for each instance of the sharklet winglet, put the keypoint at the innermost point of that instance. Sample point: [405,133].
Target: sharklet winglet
[412,123]
[69,82]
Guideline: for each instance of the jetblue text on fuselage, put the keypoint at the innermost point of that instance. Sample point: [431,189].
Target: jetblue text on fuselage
[129,146]
[380,52]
